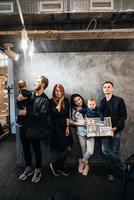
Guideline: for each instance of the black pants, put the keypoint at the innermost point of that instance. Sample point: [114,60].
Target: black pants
[28,145]
[62,156]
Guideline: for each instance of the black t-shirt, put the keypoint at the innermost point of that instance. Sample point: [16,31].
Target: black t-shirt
[107,108]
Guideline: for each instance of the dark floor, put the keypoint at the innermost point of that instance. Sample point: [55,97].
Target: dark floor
[93,187]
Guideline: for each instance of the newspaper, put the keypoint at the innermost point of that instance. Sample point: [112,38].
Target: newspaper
[97,128]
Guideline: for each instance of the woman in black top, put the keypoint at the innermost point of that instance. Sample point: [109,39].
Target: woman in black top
[62,140]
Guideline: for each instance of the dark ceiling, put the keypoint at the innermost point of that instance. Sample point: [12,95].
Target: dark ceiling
[70,21]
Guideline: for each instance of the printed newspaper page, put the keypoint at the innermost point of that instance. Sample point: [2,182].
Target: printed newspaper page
[97,128]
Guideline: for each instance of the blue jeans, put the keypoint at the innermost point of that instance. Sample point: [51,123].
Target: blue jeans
[110,149]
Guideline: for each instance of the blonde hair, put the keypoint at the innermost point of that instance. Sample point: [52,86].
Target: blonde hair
[91,99]
[22,84]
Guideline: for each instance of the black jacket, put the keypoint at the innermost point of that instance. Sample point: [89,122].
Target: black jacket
[91,113]
[39,117]
[117,110]
[26,102]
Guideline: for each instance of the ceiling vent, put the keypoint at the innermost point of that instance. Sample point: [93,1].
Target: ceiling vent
[51,6]
[105,5]
[6,7]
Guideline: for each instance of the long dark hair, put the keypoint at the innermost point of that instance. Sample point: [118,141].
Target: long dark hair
[72,104]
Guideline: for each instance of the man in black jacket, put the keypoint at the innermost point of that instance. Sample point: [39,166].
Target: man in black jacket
[37,123]
[114,107]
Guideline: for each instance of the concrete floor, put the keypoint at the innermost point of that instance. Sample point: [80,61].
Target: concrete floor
[93,187]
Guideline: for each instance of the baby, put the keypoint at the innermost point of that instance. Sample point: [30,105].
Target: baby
[91,110]
[23,101]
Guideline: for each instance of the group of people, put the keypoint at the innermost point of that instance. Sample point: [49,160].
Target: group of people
[39,115]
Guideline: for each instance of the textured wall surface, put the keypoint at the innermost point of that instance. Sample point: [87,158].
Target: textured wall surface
[3,95]
[84,73]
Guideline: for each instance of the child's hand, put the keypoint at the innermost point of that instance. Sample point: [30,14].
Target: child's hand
[20,97]
[23,112]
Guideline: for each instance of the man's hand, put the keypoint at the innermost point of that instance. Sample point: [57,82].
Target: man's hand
[114,130]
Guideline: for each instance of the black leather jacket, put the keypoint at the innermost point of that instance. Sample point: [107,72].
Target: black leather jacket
[39,116]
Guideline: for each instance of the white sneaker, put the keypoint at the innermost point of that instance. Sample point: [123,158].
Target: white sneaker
[37,176]
[54,171]
[110,177]
[17,124]
[28,172]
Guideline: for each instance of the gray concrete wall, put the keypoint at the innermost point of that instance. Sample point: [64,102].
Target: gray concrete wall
[84,73]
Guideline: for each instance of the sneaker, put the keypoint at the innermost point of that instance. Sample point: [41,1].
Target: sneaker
[17,124]
[112,173]
[25,174]
[54,171]
[86,170]
[37,176]
[63,171]
[123,167]
[110,177]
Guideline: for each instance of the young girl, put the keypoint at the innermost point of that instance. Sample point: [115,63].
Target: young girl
[62,140]
[87,144]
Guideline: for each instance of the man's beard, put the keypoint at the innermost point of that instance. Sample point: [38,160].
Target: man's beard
[38,88]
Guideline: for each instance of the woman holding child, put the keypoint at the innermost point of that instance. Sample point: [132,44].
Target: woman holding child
[79,111]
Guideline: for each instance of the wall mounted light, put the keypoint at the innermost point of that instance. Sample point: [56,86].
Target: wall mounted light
[9,52]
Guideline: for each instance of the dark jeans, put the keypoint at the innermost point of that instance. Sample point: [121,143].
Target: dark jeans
[110,149]
[28,145]
[61,158]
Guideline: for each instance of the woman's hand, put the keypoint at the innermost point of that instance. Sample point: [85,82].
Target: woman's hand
[67,131]
[86,122]
[61,99]
[58,107]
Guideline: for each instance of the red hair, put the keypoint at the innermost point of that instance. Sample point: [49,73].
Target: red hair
[55,99]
